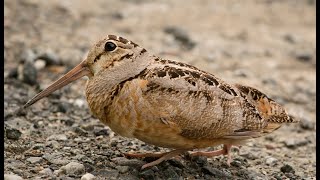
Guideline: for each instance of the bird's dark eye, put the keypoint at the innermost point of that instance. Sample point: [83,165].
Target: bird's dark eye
[109,46]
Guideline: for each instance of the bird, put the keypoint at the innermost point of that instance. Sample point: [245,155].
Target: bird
[168,103]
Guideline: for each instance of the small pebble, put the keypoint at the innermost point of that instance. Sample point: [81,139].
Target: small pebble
[57,137]
[290,38]
[28,55]
[147,174]
[294,143]
[215,172]
[99,131]
[34,159]
[123,169]
[46,171]
[12,177]
[73,168]
[170,173]
[290,175]
[38,146]
[241,73]
[27,73]
[249,155]
[181,36]
[201,160]
[12,133]
[49,57]
[122,161]
[55,158]
[58,172]
[270,161]
[39,64]
[88,176]
[111,174]
[54,144]
[287,169]
[179,164]
[13,73]
[80,131]
[79,102]
[236,163]
[304,56]
[307,124]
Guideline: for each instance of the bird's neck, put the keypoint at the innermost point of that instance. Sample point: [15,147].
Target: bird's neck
[101,87]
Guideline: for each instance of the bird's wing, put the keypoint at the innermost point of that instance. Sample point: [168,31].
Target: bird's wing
[199,103]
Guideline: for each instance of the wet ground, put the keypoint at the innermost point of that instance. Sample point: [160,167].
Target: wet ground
[266,44]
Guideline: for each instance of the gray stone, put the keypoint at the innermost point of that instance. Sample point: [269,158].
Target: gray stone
[79,102]
[46,171]
[12,133]
[294,143]
[147,174]
[122,161]
[179,164]
[12,177]
[270,161]
[27,73]
[34,159]
[287,169]
[215,172]
[58,172]
[57,137]
[54,144]
[123,169]
[307,124]
[112,174]
[99,131]
[249,155]
[170,173]
[181,36]
[73,168]
[201,160]
[80,131]
[49,57]
[28,55]
[55,158]
[88,176]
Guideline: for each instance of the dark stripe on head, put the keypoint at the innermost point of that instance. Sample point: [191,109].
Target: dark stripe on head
[123,40]
[113,37]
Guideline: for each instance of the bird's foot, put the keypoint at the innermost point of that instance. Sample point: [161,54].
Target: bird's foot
[225,151]
[161,156]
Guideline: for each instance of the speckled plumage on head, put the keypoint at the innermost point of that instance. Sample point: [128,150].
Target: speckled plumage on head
[168,103]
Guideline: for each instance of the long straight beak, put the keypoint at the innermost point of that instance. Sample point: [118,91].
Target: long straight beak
[77,72]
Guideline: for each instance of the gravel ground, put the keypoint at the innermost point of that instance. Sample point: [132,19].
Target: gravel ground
[267,44]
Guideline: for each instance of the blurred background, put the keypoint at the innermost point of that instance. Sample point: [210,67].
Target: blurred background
[267,44]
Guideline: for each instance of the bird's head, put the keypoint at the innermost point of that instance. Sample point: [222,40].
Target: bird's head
[113,55]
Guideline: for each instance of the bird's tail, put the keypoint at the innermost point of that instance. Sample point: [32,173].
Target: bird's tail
[273,113]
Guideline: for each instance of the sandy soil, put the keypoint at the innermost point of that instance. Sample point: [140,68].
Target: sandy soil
[266,44]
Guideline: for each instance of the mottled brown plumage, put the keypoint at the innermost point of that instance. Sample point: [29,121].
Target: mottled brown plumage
[167,103]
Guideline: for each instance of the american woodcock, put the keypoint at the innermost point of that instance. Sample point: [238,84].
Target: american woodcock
[169,104]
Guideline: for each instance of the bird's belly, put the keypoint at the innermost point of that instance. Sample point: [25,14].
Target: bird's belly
[157,133]
[130,123]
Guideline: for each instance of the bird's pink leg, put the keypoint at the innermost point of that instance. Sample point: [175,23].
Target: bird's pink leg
[162,156]
[225,151]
